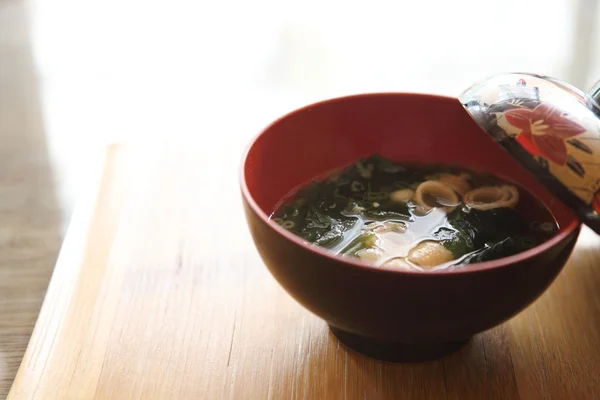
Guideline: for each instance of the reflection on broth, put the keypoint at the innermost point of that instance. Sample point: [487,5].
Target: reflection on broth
[417,217]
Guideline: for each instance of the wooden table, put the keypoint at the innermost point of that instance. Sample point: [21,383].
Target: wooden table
[158,293]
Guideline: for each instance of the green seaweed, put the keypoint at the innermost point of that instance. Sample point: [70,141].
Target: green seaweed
[488,226]
[455,241]
[326,211]
[385,165]
[502,248]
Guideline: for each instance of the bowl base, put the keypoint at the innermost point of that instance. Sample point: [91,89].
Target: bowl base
[396,352]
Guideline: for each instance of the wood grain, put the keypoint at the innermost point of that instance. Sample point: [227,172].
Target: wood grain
[31,216]
[158,293]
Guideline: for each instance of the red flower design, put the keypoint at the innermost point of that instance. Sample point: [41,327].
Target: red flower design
[544,131]
[597,202]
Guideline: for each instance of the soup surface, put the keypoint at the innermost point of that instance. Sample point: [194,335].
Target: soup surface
[412,216]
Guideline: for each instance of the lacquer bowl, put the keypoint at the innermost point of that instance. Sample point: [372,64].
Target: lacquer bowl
[381,312]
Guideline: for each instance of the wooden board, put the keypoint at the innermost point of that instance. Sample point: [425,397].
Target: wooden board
[158,293]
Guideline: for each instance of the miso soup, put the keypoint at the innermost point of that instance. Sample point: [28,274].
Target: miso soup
[416,217]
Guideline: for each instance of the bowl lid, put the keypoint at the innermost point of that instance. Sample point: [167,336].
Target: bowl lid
[549,127]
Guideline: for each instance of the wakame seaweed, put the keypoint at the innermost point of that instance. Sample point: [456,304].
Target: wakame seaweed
[482,227]
[357,208]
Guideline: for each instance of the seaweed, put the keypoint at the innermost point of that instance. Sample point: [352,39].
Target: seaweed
[385,165]
[488,226]
[328,212]
[503,248]
[455,241]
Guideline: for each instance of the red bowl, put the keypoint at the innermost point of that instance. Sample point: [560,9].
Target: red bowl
[385,313]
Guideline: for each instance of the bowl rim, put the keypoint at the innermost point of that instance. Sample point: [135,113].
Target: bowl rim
[563,233]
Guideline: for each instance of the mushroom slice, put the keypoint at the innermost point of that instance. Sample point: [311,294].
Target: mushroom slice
[458,183]
[402,195]
[512,195]
[429,254]
[401,264]
[435,194]
[369,255]
[490,197]
[390,226]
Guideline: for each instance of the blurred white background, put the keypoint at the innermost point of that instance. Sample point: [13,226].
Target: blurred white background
[193,70]
[118,69]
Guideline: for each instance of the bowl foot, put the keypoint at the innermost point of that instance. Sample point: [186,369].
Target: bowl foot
[396,352]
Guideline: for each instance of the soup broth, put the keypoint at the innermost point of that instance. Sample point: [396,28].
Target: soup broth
[415,217]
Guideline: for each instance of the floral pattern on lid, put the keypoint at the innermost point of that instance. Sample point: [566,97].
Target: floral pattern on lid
[544,131]
[547,127]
